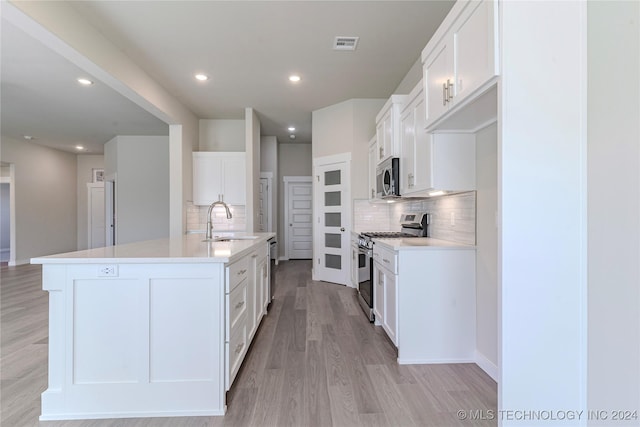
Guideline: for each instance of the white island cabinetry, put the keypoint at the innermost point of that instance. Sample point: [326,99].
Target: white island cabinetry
[156,328]
[428,306]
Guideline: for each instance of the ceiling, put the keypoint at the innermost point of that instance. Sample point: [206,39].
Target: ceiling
[247,48]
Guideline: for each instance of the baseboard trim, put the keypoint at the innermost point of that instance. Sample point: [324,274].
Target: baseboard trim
[486,365]
[432,361]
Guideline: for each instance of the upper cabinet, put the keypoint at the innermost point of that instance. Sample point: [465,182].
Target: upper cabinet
[388,128]
[461,59]
[219,176]
[432,161]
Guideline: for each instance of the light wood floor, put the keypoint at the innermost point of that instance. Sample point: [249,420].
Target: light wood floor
[315,361]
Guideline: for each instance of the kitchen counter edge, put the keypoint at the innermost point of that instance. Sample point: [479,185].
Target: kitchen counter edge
[184,249]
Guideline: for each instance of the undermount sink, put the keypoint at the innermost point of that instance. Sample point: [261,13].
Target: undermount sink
[229,238]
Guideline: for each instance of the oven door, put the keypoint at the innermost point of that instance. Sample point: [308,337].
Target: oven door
[365,281]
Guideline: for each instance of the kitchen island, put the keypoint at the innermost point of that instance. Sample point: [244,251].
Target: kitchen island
[154,328]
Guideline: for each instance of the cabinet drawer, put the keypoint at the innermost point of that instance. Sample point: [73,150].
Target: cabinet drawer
[236,307]
[386,258]
[235,350]
[236,273]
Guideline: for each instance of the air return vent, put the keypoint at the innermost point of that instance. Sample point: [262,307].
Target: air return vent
[345,43]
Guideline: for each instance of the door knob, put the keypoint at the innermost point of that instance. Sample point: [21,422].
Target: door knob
[342,229]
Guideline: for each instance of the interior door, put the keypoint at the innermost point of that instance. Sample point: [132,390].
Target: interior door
[96,216]
[263,212]
[300,213]
[332,198]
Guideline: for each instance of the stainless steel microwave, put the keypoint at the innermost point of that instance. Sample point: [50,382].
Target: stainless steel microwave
[388,178]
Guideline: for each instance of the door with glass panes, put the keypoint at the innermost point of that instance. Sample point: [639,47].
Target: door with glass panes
[332,213]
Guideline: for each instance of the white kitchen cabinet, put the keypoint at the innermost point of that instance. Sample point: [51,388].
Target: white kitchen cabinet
[385,297]
[425,300]
[247,283]
[256,293]
[219,176]
[430,161]
[462,57]
[373,162]
[388,128]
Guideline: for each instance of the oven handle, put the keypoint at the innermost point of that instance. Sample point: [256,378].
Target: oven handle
[365,251]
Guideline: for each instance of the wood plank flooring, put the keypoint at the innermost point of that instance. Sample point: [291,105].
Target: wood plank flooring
[315,361]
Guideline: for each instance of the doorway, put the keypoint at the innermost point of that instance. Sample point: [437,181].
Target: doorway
[265,207]
[298,215]
[96,215]
[7,215]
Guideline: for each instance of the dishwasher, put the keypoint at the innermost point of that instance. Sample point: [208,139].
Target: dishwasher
[273,265]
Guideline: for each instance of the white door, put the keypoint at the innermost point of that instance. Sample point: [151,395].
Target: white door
[299,236]
[332,215]
[96,215]
[262,206]
[265,207]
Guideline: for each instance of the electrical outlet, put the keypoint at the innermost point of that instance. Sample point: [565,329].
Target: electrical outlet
[108,271]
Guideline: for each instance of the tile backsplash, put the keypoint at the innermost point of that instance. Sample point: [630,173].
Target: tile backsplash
[453,217]
[197,218]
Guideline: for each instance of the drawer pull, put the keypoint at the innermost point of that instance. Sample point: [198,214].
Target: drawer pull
[385,260]
[240,304]
[239,348]
[254,256]
[241,272]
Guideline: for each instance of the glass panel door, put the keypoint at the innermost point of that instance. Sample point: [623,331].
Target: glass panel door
[332,244]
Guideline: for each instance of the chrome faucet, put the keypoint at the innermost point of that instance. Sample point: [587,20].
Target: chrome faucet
[209,223]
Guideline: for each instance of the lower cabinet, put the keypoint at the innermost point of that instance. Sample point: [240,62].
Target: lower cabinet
[425,300]
[246,302]
[385,292]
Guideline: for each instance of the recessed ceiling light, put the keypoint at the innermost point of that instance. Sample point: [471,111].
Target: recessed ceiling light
[85,82]
[292,136]
[291,129]
[29,137]
[294,78]
[202,77]
[79,147]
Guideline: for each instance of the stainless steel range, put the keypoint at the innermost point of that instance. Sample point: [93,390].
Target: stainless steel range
[412,225]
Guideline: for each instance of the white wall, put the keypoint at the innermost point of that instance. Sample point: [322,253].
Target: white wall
[142,186]
[614,208]
[84,174]
[542,197]
[222,135]
[252,132]
[487,248]
[45,199]
[347,127]
[58,26]
[293,160]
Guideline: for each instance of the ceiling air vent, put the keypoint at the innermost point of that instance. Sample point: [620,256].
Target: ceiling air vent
[345,43]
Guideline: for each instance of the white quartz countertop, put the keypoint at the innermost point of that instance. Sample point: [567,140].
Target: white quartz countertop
[188,248]
[420,243]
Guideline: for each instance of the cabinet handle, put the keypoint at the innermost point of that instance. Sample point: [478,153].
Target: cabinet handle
[239,348]
[444,94]
[385,260]
[449,91]
[241,272]
[240,304]
[254,256]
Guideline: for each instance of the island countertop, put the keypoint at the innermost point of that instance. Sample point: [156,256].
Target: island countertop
[186,248]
